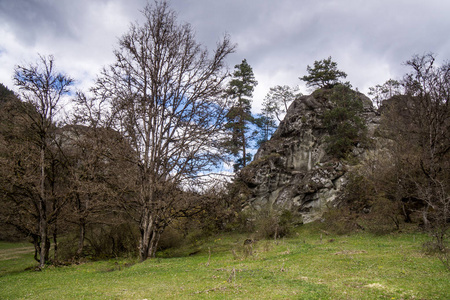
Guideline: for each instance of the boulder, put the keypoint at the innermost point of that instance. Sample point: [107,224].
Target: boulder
[292,170]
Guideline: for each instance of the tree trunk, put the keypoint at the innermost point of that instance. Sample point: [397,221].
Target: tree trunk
[36,244]
[43,247]
[55,243]
[43,228]
[244,145]
[47,246]
[81,238]
[425,218]
[82,223]
[154,243]
[406,214]
[146,229]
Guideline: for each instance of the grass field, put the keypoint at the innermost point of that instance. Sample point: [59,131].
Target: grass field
[306,266]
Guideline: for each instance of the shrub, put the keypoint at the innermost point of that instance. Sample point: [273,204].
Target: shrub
[341,220]
[363,207]
[106,241]
[383,216]
[170,238]
[269,222]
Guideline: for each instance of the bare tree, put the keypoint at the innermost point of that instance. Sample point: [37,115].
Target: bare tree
[418,123]
[165,95]
[389,89]
[97,176]
[277,100]
[428,88]
[91,173]
[42,87]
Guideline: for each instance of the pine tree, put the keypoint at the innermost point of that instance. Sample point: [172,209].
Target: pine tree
[240,91]
[324,74]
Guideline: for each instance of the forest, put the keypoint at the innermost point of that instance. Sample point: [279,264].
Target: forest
[133,167]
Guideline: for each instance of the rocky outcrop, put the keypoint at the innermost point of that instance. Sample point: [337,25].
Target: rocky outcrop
[292,170]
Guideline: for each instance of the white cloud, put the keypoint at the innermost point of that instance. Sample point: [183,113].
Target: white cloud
[368,39]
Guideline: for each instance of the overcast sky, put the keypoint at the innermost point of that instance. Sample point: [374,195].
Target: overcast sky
[369,39]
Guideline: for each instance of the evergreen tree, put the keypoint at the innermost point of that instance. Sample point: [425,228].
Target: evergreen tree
[343,122]
[324,74]
[239,116]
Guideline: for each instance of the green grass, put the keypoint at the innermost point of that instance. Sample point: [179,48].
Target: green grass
[15,258]
[303,267]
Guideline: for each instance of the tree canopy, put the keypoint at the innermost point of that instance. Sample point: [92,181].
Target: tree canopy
[324,74]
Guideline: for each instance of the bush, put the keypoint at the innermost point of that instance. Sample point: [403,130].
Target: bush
[363,208]
[106,241]
[383,217]
[441,251]
[340,221]
[10,233]
[170,238]
[267,223]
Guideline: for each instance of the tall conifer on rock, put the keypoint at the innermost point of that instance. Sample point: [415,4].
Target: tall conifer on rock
[239,116]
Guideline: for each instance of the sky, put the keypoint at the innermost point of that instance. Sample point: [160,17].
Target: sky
[369,39]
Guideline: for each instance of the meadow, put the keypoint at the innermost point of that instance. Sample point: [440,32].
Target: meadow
[308,265]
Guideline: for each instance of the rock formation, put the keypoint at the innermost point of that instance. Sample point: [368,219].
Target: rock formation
[292,170]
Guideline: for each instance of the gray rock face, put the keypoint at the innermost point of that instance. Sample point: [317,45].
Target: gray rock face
[292,170]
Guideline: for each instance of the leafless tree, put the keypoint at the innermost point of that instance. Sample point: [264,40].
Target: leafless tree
[43,87]
[97,174]
[277,100]
[428,88]
[386,91]
[165,97]
[418,122]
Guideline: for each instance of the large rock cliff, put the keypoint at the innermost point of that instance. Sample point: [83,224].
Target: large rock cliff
[292,170]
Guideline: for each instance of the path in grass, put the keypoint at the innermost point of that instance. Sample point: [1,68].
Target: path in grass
[15,258]
[14,253]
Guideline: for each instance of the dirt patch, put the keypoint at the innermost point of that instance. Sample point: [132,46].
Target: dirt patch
[350,252]
[6,254]
[376,286]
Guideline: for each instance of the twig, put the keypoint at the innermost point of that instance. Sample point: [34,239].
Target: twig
[209,256]
[232,276]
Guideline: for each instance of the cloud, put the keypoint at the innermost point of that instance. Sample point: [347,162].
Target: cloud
[368,39]
[80,34]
